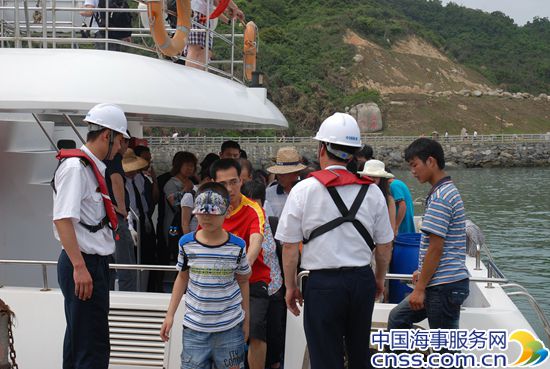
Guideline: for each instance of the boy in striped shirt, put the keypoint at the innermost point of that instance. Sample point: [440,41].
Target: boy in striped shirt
[441,282]
[213,272]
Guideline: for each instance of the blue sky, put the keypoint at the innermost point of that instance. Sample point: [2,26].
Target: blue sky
[521,11]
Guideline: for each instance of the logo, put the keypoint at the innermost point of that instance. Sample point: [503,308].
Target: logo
[533,352]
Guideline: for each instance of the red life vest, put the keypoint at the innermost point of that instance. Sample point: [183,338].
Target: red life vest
[339,177]
[332,178]
[109,208]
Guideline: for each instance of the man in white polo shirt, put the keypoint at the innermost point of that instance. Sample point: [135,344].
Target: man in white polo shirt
[340,218]
[84,220]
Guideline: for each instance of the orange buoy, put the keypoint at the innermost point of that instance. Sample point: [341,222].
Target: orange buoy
[169,46]
[250,49]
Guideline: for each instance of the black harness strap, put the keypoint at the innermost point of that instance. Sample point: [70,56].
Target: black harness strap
[348,216]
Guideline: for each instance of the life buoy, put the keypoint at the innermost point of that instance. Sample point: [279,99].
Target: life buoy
[250,49]
[169,46]
[222,5]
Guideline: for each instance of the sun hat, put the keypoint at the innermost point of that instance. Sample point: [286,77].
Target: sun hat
[375,168]
[210,203]
[287,161]
[133,163]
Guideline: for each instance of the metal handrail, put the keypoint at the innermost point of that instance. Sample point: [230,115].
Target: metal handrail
[53,32]
[371,139]
[405,277]
[47,263]
[533,302]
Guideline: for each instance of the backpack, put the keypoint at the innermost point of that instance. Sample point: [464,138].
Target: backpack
[116,19]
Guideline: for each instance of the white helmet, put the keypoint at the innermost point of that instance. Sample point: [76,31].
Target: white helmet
[108,116]
[340,129]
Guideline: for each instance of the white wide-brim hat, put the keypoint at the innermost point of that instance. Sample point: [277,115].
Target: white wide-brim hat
[375,168]
[288,161]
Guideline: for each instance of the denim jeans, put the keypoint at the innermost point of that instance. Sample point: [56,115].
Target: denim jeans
[223,349]
[441,307]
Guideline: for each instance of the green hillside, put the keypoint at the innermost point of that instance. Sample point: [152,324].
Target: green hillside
[310,69]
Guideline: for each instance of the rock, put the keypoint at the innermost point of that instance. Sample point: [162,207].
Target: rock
[507,94]
[537,99]
[358,58]
[463,107]
[527,95]
[518,96]
[467,153]
[446,93]
[368,116]
[428,86]
[454,150]
[486,152]
[464,92]
[477,93]
[543,96]
[492,93]
[506,155]
[398,103]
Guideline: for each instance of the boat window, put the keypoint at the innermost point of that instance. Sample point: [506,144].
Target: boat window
[66,144]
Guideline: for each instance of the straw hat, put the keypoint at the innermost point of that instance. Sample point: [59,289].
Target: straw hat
[132,163]
[287,161]
[375,168]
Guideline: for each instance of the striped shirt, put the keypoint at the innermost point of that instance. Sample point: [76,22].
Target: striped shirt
[213,298]
[445,217]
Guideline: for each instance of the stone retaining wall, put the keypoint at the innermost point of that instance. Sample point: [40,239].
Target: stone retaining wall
[468,155]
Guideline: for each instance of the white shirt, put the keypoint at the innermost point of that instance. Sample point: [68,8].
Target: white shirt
[187,201]
[93,4]
[276,200]
[309,206]
[78,198]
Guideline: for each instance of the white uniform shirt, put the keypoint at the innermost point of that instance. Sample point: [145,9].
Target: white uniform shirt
[78,197]
[276,198]
[309,206]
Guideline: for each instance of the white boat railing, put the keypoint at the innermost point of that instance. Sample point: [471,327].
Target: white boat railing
[370,139]
[59,24]
[492,270]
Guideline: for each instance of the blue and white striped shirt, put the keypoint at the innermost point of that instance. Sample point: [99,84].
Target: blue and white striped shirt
[445,217]
[213,298]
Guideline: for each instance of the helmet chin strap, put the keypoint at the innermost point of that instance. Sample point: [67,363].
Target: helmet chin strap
[111,143]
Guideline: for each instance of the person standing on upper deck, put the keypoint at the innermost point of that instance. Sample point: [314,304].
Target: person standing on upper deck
[196,43]
[84,220]
[340,291]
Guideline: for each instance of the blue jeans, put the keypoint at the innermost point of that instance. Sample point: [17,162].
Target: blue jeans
[441,307]
[223,349]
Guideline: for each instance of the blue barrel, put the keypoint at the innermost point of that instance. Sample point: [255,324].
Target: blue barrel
[404,261]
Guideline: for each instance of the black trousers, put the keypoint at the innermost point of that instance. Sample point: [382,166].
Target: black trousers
[338,306]
[86,344]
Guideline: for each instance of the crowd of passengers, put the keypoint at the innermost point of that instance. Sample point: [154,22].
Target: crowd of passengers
[134,184]
[221,224]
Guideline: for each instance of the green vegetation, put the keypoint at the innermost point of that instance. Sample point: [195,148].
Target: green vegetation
[308,66]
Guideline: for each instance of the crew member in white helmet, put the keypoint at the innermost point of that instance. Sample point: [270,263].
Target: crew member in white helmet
[342,221]
[85,224]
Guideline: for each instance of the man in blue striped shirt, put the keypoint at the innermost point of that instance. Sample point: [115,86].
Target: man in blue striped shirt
[213,273]
[441,282]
